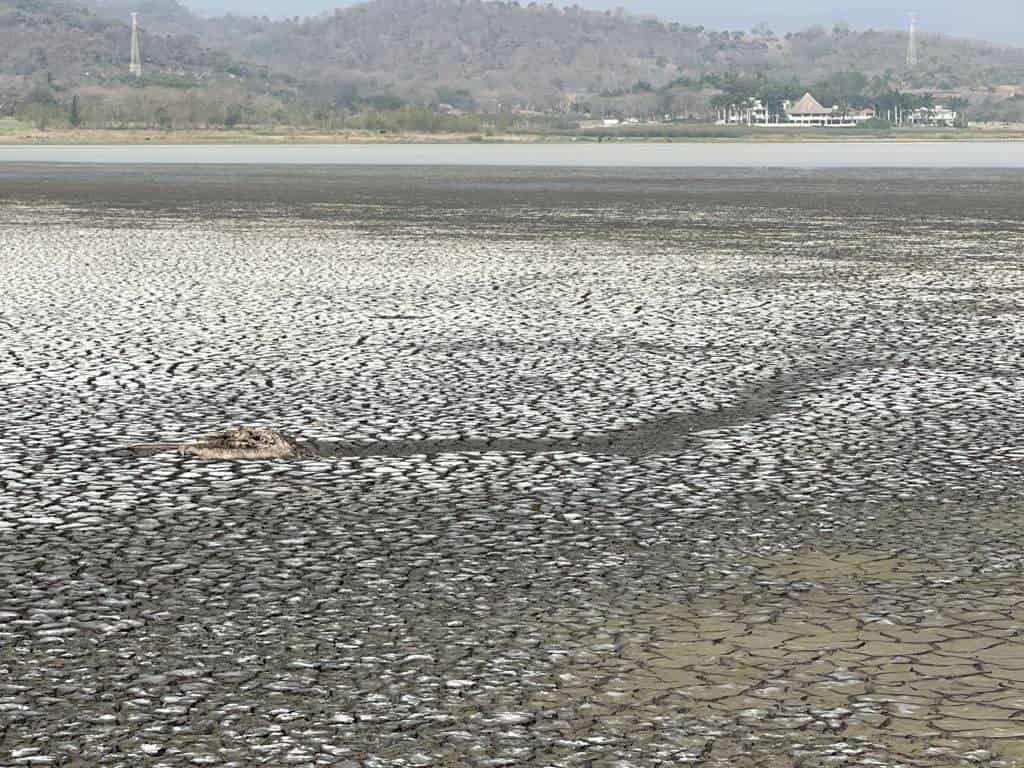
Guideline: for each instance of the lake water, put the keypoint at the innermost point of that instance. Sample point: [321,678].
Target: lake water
[840,154]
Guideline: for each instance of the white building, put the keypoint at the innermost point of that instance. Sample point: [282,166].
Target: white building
[753,113]
[939,115]
[806,113]
[809,112]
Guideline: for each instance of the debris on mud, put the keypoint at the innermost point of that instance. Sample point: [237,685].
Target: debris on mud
[232,444]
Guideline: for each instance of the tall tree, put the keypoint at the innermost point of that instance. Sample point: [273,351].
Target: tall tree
[75,112]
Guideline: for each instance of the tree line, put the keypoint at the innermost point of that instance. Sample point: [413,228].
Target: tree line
[846,90]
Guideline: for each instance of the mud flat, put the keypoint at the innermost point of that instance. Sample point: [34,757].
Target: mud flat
[599,467]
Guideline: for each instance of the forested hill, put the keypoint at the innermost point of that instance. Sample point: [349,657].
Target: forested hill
[54,50]
[511,46]
[468,53]
[540,51]
[70,43]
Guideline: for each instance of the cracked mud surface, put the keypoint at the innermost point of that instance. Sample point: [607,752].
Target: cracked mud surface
[616,469]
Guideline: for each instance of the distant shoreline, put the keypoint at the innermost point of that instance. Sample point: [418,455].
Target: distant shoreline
[995,154]
[654,134]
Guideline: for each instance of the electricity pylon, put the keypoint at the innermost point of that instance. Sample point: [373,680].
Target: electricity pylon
[135,67]
[912,43]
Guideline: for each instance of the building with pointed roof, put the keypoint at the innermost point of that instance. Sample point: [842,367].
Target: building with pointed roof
[808,106]
[807,112]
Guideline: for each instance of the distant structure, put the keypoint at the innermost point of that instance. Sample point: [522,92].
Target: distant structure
[135,68]
[912,43]
[807,112]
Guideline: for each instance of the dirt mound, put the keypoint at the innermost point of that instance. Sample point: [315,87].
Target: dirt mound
[243,443]
[231,444]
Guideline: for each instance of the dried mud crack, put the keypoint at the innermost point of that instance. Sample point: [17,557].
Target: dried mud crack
[601,469]
[663,436]
[236,444]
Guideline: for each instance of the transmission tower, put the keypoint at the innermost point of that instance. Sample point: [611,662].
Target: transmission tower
[912,43]
[135,67]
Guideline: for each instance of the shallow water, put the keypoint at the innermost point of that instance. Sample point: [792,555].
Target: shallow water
[843,154]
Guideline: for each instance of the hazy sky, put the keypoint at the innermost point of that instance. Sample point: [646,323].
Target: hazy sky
[1001,20]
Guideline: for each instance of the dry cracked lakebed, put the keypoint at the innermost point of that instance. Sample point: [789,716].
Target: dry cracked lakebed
[569,469]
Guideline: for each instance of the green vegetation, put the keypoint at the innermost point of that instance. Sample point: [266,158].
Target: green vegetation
[877,124]
[164,80]
[75,112]
[12,127]
[846,89]
[507,68]
[680,131]
[459,98]
[13,131]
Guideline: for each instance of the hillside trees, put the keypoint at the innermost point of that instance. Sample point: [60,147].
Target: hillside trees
[386,55]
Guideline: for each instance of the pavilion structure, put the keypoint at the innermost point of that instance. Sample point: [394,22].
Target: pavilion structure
[808,111]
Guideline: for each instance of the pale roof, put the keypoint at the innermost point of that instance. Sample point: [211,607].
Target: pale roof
[808,105]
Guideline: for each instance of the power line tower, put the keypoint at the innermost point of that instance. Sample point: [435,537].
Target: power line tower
[912,43]
[135,67]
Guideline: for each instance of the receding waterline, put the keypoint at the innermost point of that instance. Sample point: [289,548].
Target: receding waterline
[838,154]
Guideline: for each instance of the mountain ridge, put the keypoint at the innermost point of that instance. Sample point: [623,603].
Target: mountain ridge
[993,20]
[470,55]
